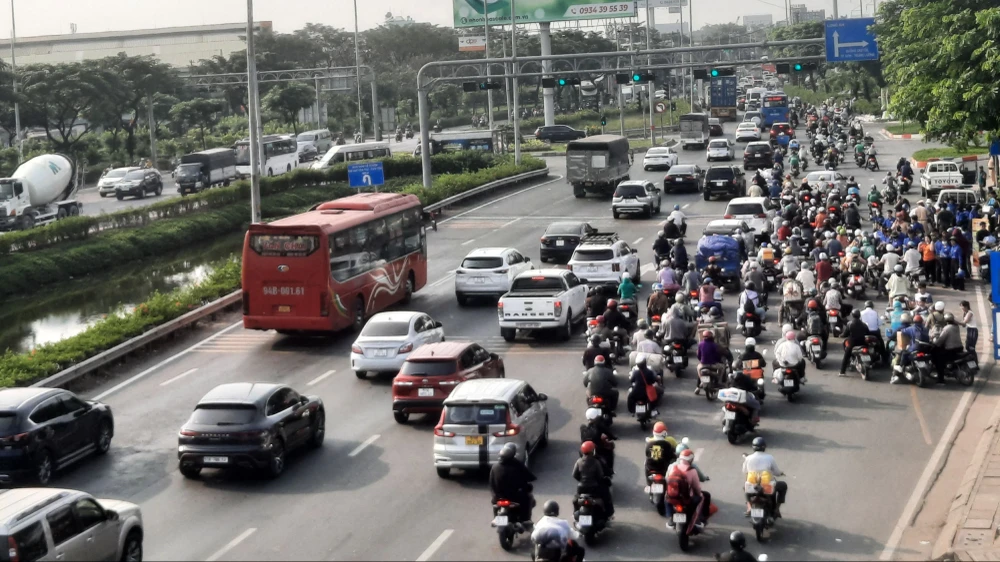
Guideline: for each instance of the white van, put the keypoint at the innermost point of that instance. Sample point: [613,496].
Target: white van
[353,153]
[322,139]
[962,197]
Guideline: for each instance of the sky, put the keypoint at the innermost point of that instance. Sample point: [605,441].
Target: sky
[53,17]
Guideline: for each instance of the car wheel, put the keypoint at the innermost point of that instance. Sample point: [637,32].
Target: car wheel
[508,334]
[614,214]
[119,197]
[102,440]
[132,549]
[276,465]
[142,193]
[190,471]
[566,333]
[400,416]
[318,430]
[708,196]
[159,189]
[43,468]
[103,195]
[462,299]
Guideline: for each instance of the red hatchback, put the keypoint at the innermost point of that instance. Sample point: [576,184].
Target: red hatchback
[433,370]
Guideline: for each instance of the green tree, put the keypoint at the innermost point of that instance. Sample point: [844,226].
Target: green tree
[941,57]
[140,77]
[198,113]
[286,100]
[67,100]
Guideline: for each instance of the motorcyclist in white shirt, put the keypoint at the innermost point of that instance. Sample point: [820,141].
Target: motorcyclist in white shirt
[788,353]
[678,217]
[831,300]
[889,260]
[761,461]
[806,276]
[789,265]
[912,258]
[552,532]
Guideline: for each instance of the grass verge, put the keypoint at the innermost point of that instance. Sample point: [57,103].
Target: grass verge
[904,128]
[925,154]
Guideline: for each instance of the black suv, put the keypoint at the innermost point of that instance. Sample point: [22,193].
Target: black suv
[556,133]
[249,425]
[45,429]
[138,183]
[728,180]
[758,155]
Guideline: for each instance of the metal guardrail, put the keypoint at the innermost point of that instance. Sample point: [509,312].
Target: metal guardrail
[115,353]
[434,208]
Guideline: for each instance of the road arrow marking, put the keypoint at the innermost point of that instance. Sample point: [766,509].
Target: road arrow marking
[837,44]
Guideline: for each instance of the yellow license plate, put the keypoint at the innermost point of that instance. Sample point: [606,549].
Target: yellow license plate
[473,439]
[284,309]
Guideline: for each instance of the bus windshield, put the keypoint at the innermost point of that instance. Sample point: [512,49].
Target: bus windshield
[243,154]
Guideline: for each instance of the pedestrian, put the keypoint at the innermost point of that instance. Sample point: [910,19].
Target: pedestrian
[982,181]
[955,261]
[941,251]
[928,259]
[969,321]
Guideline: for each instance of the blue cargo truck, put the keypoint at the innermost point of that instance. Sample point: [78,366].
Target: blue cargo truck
[724,90]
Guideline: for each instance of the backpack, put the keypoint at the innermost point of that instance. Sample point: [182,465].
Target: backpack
[814,324]
[677,485]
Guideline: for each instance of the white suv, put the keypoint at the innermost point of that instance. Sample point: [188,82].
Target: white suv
[488,272]
[635,197]
[756,211]
[601,258]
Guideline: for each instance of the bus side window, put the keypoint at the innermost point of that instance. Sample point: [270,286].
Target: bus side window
[338,157]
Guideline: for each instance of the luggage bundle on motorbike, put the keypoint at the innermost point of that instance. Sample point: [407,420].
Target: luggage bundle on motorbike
[792,300]
[726,250]
[735,414]
[760,489]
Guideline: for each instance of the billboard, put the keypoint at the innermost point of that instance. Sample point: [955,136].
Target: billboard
[472,44]
[641,4]
[473,13]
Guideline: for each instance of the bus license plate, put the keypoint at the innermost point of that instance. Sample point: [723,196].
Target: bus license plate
[425,392]
[284,308]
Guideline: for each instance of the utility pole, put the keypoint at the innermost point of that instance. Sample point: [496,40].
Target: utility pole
[514,73]
[357,71]
[691,25]
[836,14]
[650,86]
[548,94]
[489,93]
[253,118]
[13,69]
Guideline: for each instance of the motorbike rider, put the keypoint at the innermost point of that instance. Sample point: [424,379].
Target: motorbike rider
[806,276]
[597,432]
[613,317]
[706,293]
[596,302]
[760,461]
[648,344]
[627,289]
[681,307]
[713,270]
[912,257]
[676,329]
[671,231]
[667,276]
[749,359]
[935,320]
[738,544]
[678,218]
[600,381]
[947,345]
[660,450]
[710,355]
[874,323]
[686,487]
[691,280]
[511,480]
[593,351]
[870,156]
[833,297]
[897,285]
[679,254]
[789,264]
[852,216]
[751,296]
[754,275]
[854,335]
[551,532]
[661,246]
[641,379]
[815,321]
[788,354]
[659,302]
[592,478]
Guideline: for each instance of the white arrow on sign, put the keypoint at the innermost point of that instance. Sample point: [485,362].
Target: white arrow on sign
[837,44]
[366,179]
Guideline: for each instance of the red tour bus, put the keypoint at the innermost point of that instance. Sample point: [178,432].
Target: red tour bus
[334,266]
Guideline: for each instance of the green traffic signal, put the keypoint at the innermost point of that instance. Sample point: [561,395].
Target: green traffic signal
[604,120]
[715,72]
[562,81]
[637,77]
[797,67]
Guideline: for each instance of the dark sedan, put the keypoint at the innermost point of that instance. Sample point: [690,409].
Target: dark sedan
[558,133]
[138,183]
[249,425]
[561,239]
[757,156]
[683,177]
[43,430]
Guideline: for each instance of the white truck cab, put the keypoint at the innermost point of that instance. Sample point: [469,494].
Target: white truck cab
[940,174]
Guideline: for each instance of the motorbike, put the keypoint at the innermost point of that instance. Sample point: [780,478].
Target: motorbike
[919,369]
[871,163]
[833,319]
[874,210]
[751,324]
[736,420]
[399,136]
[761,499]
[984,265]
[831,166]
[788,380]
[904,185]
[859,159]
[861,361]
[916,276]
[856,286]
[682,527]
[963,368]
[772,278]
[709,380]
[507,530]
[795,171]
[657,491]
[813,350]
[589,517]
[630,310]
[675,356]
[409,133]
[643,409]
[607,414]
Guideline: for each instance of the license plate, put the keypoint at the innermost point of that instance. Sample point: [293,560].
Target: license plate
[730,415]
[770,278]
[592,269]
[866,359]
[817,348]
[923,278]
[528,325]
[381,353]
[500,521]
[656,489]
[284,309]
[921,364]
[586,520]
[750,324]
[479,280]
[720,183]
[680,518]
[678,359]
[473,439]
[678,180]
[640,408]
[973,364]
[756,513]
[425,392]
[706,379]
[560,242]
[788,383]
[216,460]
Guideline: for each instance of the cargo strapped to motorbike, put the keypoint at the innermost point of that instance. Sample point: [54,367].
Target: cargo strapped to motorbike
[753,368]
[759,482]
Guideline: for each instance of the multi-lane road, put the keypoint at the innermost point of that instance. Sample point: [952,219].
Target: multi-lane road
[855,452]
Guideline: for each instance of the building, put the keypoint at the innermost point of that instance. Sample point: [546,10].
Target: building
[801,14]
[176,46]
[758,21]
[397,21]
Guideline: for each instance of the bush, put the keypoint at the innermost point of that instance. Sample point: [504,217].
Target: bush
[21,369]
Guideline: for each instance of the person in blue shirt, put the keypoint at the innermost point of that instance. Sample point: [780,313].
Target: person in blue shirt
[964,218]
[954,261]
[942,253]
[779,157]
[774,190]
[917,333]
[882,236]
[896,317]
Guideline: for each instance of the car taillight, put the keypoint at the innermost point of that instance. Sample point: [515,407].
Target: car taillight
[448,382]
[459,272]
[12,439]
[324,304]
[569,266]
[12,554]
[557,308]
[504,270]
[510,430]
[762,216]
[189,433]
[357,349]
[543,240]
[246,303]
[439,428]
[503,503]
[406,348]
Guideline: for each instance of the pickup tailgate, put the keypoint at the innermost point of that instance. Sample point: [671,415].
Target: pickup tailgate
[530,309]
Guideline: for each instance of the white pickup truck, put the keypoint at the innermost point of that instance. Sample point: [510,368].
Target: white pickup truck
[943,174]
[544,299]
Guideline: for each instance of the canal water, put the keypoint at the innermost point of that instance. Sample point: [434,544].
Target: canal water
[68,309]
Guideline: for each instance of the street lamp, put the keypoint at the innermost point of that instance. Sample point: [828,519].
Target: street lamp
[13,70]
[253,118]
[357,72]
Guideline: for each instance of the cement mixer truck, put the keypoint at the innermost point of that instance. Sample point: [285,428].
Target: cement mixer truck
[40,191]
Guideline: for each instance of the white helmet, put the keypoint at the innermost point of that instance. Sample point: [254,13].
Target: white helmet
[858,232]
[824,256]
[939,306]
[625,275]
[786,328]
[890,248]
[750,341]
[593,413]
[754,265]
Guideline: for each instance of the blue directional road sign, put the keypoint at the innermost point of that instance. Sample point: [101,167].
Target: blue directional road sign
[995,147]
[365,174]
[850,40]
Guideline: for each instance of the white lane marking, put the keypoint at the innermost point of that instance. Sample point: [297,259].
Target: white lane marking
[321,378]
[232,544]
[933,464]
[434,545]
[178,377]
[637,240]
[469,241]
[442,280]
[168,360]
[357,450]
[505,197]
[506,224]
[685,206]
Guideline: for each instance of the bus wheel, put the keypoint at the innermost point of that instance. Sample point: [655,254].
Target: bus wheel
[359,315]
[408,295]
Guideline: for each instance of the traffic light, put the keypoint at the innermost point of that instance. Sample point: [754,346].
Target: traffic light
[798,67]
[716,72]
[804,66]
[479,86]
[604,120]
[623,79]
[569,81]
[640,77]
[782,68]
[700,74]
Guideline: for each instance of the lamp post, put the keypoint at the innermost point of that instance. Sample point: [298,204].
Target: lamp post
[253,118]
[13,70]
[357,71]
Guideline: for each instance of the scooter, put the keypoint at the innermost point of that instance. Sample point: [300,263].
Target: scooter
[833,319]
[657,491]
[872,163]
[813,348]
[788,380]
[856,286]
[751,326]
[644,411]
[507,530]
[963,368]
[761,498]
[710,381]
[918,371]
[675,357]
[589,517]
[607,414]
[736,420]
[682,527]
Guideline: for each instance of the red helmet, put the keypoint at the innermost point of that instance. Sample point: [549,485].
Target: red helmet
[600,320]
[711,259]
[588,448]
[599,360]
[612,303]
[813,304]
[708,335]
[659,427]
[918,319]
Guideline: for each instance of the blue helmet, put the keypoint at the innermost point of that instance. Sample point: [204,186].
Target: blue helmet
[677,207]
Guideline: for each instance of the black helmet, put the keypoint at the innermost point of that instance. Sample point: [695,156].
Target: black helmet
[508,452]
[758,444]
[650,334]
[751,286]
[595,339]
[737,541]
[551,508]
[855,313]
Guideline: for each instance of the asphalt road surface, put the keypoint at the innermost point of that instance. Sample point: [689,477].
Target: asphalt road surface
[853,451]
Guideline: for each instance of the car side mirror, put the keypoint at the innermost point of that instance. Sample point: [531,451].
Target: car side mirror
[634,250]
[304,399]
[438,325]
[112,515]
[542,397]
